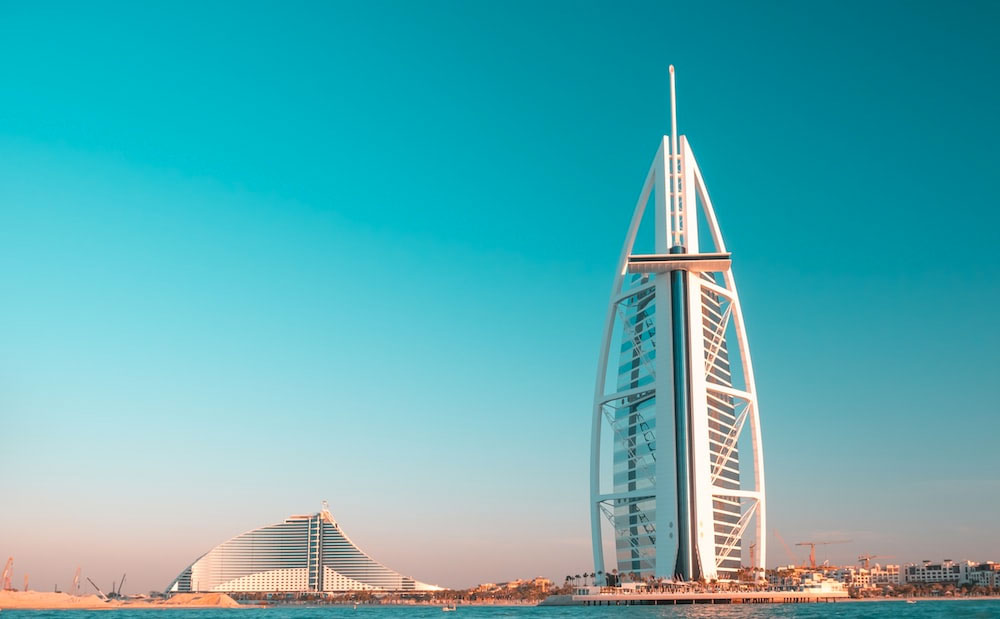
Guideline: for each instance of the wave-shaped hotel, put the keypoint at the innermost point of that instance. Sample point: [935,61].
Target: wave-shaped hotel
[677,470]
[303,554]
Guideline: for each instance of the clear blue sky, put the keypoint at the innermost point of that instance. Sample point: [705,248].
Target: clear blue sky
[254,255]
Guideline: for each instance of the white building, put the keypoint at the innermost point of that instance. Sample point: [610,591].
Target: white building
[816,582]
[675,496]
[303,554]
[868,578]
[888,575]
[947,571]
[854,577]
[985,574]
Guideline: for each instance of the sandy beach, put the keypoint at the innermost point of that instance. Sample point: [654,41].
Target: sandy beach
[37,600]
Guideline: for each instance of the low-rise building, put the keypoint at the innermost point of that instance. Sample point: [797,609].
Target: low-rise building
[947,571]
[784,578]
[985,574]
[868,578]
[542,583]
[853,577]
[888,575]
[819,583]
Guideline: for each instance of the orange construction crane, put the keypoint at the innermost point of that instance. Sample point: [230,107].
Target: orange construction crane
[812,549]
[866,559]
[788,551]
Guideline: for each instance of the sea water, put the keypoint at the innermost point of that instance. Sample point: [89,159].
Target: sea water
[847,610]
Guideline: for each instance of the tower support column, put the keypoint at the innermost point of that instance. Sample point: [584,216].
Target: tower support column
[685,569]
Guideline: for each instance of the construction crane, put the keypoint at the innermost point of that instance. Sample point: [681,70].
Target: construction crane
[76,582]
[788,551]
[118,593]
[8,571]
[812,549]
[866,559]
[101,593]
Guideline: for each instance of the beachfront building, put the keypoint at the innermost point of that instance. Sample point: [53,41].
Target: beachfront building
[677,475]
[985,574]
[948,571]
[303,554]
[944,572]
[819,583]
[856,577]
[885,576]
[868,578]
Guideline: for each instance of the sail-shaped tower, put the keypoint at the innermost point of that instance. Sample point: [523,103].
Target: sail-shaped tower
[677,475]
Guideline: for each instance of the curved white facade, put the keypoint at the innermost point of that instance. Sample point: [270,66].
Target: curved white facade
[300,555]
[673,488]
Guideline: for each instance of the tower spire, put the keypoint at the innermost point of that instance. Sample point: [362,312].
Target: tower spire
[673,109]
[675,164]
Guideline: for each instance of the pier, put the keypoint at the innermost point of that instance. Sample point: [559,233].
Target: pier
[719,597]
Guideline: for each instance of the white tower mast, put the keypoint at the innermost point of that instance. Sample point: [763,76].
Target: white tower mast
[675,208]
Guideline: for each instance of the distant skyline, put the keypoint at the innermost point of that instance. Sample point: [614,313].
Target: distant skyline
[254,256]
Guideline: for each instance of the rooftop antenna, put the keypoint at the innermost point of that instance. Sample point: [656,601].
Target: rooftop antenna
[675,161]
[326,513]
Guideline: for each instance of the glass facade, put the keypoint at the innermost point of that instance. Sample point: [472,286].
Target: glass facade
[634,428]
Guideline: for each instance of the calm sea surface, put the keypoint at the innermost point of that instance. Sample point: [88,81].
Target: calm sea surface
[960,608]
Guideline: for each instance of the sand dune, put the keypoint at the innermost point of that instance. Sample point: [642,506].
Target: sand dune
[199,599]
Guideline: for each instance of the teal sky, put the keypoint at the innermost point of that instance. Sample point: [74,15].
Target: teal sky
[257,255]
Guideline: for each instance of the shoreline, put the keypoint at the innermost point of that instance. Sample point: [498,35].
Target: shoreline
[34,600]
[37,600]
[925,598]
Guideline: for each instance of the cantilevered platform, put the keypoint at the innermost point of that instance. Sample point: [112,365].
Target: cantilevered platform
[661,263]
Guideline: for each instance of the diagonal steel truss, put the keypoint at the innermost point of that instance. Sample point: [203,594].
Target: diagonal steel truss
[730,443]
[725,550]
